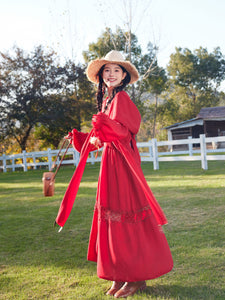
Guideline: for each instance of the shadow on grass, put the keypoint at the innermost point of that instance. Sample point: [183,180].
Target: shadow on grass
[34,192]
[184,292]
[183,168]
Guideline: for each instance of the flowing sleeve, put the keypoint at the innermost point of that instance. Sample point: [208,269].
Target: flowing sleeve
[78,140]
[124,117]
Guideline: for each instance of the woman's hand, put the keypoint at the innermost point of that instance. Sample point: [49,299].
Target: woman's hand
[95,120]
[69,137]
[99,119]
[95,141]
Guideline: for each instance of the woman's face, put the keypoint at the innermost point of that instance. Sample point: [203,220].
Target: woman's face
[113,75]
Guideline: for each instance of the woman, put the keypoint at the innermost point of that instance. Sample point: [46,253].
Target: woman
[126,238]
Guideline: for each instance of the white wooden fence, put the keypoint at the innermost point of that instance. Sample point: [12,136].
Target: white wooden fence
[154,154]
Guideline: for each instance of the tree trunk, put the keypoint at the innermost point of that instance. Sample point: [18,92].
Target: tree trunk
[78,107]
[23,141]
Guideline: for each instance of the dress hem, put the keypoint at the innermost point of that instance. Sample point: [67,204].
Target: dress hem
[132,280]
[135,279]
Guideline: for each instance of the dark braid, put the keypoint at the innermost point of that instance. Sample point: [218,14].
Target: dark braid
[100,93]
[101,88]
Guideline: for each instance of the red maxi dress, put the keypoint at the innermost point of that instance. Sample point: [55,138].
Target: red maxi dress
[126,238]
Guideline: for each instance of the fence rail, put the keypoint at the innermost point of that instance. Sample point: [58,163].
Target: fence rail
[204,153]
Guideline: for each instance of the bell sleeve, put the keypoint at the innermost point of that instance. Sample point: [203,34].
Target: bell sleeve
[78,139]
[124,118]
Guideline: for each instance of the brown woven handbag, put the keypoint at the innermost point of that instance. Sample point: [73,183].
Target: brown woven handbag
[49,177]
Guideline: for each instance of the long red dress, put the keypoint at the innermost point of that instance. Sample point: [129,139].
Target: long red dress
[126,238]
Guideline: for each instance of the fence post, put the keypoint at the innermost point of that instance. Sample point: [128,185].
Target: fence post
[155,154]
[13,164]
[150,148]
[170,138]
[190,147]
[24,161]
[92,158]
[203,152]
[77,157]
[49,159]
[74,156]
[34,161]
[4,163]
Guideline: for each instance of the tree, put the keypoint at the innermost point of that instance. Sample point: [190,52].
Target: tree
[153,83]
[68,110]
[195,78]
[32,87]
[118,41]
[60,119]
[26,81]
[131,16]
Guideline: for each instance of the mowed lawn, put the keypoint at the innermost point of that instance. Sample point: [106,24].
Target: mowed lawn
[37,262]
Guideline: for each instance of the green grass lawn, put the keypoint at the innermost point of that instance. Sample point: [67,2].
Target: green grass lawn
[37,262]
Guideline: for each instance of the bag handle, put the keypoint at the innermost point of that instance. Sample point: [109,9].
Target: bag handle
[59,165]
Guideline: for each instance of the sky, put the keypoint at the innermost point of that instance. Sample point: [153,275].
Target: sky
[68,26]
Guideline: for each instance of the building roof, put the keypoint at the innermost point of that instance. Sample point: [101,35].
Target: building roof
[187,123]
[212,113]
[207,113]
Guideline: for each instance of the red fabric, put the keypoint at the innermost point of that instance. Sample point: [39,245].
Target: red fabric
[78,139]
[80,142]
[126,238]
[71,192]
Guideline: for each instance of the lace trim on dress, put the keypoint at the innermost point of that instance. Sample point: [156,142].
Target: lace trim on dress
[105,214]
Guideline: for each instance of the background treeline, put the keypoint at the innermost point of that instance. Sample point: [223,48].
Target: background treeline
[42,98]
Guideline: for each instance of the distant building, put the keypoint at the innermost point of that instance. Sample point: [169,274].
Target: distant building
[210,121]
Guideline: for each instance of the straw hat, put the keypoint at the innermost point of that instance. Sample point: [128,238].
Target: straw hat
[113,57]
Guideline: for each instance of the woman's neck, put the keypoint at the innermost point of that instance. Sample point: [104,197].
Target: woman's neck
[110,92]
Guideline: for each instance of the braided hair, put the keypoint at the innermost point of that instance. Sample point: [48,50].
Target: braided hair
[101,88]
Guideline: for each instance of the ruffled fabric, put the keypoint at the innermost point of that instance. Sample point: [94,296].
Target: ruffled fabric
[107,215]
[78,139]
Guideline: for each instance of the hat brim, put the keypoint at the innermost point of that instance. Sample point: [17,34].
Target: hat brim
[95,65]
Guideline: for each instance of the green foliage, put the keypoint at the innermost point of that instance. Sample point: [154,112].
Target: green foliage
[169,112]
[194,79]
[35,91]
[37,94]
[153,83]
[27,80]
[222,99]
[61,118]
[114,41]
[68,110]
